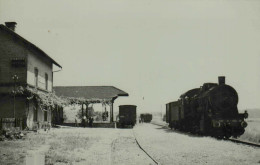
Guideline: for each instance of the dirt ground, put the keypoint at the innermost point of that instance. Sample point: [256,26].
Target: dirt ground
[68,145]
[170,147]
[104,146]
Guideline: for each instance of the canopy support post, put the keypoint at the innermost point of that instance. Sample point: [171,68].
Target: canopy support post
[111,111]
[87,110]
[82,110]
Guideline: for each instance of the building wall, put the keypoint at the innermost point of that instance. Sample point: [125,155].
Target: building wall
[9,49]
[24,109]
[29,121]
[7,107]
[44,66]
[31,124]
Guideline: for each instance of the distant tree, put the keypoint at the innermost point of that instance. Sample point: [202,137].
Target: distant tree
[65,117]
[98,116]
[79,114]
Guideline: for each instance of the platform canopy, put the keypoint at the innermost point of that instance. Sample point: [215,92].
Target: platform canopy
[89,94]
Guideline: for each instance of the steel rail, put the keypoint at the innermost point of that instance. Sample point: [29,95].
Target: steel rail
[156,162]
[231,139]
[244,142]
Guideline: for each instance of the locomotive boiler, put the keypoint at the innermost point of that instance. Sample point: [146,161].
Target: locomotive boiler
[209,110]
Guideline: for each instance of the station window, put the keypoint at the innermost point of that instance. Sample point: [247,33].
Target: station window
[45,115]
[35,113]
[36,77]
[46,81]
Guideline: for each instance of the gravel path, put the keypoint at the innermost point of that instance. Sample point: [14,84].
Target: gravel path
[126,151]
[169,147]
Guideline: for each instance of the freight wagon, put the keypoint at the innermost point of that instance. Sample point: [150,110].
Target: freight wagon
[146,117]
[127,115]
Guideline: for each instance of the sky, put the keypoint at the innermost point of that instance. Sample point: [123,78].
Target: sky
[154,50]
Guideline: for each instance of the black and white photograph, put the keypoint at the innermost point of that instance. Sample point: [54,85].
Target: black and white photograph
[129,82]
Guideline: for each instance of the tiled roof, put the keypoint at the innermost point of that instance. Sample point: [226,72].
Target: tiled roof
[89,92]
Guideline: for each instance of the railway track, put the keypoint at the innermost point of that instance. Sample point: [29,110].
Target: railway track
[156,162]
[232,140]
[244,142]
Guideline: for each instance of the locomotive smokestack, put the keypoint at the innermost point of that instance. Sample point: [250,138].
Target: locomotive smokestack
[221,80]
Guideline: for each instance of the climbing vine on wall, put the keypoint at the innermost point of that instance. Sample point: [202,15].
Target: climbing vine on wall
[73,100]
[49,99]
[44,99]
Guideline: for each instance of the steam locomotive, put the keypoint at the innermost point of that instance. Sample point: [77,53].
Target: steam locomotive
[210,110]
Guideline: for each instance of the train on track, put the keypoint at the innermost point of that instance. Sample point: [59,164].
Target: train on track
[146,117]
[210,110]
[127,116]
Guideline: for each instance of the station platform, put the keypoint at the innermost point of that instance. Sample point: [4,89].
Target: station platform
[95,124]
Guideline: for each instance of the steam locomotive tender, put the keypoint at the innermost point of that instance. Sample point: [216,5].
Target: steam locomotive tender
[210,110]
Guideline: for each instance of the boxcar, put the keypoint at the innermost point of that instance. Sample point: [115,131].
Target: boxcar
[127,115]
[173,114]
[146,117]
[167,112]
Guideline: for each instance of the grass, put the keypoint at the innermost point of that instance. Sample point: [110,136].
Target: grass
[14,151]
[67,149]
[64,148]
[252,131]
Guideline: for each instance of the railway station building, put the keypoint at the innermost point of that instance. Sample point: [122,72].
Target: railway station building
[26,82]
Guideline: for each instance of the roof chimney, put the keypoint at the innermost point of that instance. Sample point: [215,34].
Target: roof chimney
[11,25]
[221,80]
